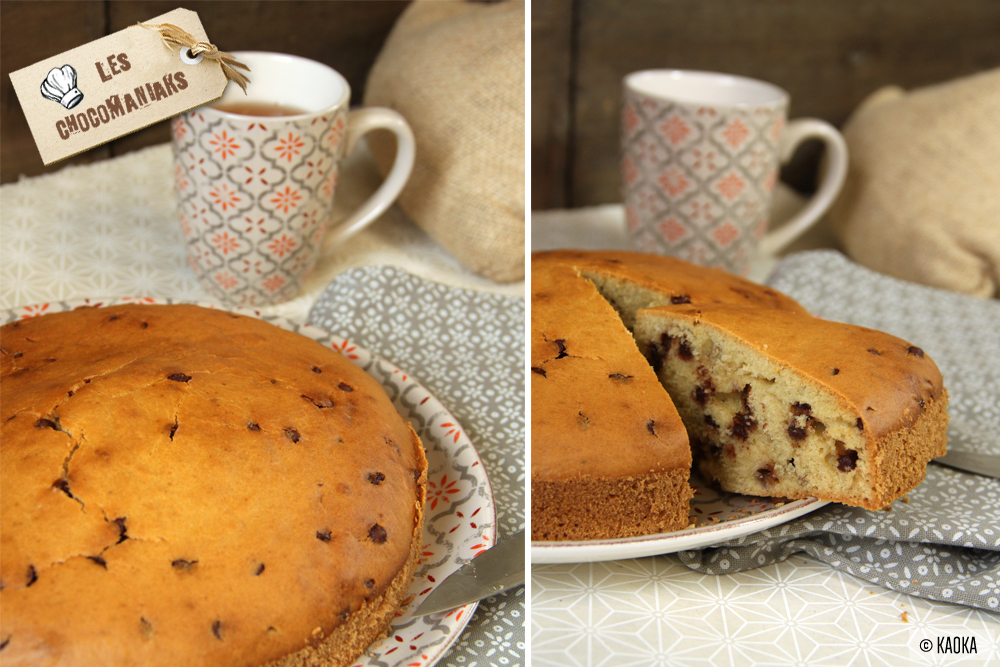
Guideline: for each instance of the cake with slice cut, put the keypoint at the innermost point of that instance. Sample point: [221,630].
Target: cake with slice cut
[775,401]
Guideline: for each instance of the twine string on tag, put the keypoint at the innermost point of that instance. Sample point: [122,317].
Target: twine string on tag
[173,36]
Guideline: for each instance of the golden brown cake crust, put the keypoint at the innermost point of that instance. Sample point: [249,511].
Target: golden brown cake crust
[590,508]
[189,486]
[670,280]
[600,418]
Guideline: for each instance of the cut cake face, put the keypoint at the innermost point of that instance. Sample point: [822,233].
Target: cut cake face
[788,405]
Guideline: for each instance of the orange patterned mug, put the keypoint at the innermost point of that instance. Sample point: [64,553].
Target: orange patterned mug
[255,193]
[700,156]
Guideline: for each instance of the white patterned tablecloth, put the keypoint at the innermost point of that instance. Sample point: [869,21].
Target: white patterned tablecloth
[657,611]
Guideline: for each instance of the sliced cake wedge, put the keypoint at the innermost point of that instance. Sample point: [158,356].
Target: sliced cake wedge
[780,403]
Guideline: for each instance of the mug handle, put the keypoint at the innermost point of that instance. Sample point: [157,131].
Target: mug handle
[359,123]
[795,133]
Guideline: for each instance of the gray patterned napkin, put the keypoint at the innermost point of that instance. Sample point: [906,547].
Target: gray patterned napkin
[467,348]
[943,541]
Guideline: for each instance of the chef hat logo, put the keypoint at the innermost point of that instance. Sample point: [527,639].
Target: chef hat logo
[60,86]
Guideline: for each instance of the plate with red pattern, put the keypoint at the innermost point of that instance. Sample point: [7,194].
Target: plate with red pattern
[460,512]
[715,517]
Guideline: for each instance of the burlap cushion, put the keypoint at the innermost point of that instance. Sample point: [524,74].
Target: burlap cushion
[922,198]
[455,71]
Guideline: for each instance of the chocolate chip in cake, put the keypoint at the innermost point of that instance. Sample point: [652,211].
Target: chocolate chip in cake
[217,629]
[370,583]
[18,355]
[700,396]
[836,371]
[292,434]
[416,475]
[873,351]
[317,369]
[100,561]
[680,299]
[562,347]
[620,377]
[145,627]
[684,350]
[860,424]
[62,485]
[32,575]
[921,402]
[651,427]
[179,377]
[145,325]
[801,409]
[766,475]
[743,425]
[259,571]
[847,461]
[253,426]
[45,423]
[655,356]
[323,535]
[376,478]
[915,351]
[182,565]
[274,382]
[796,432]
[5,641]
[345,614]
[710,422]
[745,398]
[112,318]
[377,534]
[345,387]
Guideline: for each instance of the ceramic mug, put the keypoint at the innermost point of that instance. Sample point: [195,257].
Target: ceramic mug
[700,158]
[255,193]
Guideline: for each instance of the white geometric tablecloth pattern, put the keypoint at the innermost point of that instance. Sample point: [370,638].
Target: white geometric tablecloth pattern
[655,611]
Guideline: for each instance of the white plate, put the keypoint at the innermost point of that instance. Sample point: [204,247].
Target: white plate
[718,516]
[460,513]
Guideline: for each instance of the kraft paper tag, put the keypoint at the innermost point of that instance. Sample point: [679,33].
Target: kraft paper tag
[113,86]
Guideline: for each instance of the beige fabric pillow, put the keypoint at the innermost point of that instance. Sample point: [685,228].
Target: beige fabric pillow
[455,71]
[922,198]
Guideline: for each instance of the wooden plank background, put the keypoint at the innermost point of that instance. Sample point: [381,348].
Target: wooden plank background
[827,55]
[345,35]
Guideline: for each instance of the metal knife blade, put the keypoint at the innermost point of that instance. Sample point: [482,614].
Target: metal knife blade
[491,572]
[980,464]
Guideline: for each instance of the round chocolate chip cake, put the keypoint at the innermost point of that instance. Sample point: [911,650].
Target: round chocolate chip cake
[775,402]
[185,486]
